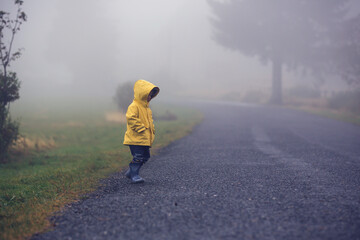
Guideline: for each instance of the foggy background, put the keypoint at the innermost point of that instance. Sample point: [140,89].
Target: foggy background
[86,48]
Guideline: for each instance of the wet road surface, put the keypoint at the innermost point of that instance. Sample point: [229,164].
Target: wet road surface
[246,172]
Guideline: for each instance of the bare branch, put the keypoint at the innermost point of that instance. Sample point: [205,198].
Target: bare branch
[19,16]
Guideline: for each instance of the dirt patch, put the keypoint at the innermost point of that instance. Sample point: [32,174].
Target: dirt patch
[117,117]
[24,144]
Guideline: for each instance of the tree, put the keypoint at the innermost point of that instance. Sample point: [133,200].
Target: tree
[9,83]
[124,95]
[294,33]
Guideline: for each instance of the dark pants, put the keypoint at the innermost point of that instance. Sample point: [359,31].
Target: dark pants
[140,153]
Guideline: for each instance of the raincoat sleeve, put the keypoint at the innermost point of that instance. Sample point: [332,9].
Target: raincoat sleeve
[134,122]
[152,123]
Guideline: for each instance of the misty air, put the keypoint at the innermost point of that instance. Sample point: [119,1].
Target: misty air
[184,119]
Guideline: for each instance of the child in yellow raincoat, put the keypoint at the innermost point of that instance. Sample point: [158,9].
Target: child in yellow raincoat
[140,132]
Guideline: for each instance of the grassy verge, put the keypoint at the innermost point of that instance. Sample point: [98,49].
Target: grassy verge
[334,114]
[320,107]
[84,148]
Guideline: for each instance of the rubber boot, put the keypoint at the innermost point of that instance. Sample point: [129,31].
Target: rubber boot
[134,172]
[127,174]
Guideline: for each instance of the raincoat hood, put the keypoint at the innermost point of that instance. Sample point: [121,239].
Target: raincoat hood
[142,88]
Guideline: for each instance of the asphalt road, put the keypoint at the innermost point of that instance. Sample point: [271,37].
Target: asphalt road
[246,172]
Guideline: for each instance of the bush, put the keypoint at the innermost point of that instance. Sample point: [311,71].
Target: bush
[8,136]
[253,96]
[304,92]
[9,129]
[233,96]
[124,96]
[9,84]
[349,101]
[166,116]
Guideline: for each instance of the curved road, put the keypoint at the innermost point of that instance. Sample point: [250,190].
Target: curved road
[246,172]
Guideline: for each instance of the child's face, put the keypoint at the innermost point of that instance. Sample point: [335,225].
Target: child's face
[149,98]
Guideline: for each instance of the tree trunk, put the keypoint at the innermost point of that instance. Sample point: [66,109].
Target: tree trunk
[276,97]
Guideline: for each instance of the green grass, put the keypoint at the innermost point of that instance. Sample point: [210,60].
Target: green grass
[338,115]
[38,182]
[320,107]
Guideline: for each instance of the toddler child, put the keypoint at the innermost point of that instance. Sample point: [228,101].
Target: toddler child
[140,132]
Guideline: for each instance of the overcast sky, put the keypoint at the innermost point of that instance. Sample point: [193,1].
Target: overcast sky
[90,46]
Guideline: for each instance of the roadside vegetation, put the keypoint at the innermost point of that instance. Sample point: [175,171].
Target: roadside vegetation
[62,154]
[343,106]
[9,83]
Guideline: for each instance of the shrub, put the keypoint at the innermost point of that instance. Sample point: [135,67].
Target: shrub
[304,92]
[9,133]
[253,96]
[349,101]
[9,84]
[9,129]
[166,116]
[124,96]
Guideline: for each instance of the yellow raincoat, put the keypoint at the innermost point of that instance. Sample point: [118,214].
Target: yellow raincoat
[140,126]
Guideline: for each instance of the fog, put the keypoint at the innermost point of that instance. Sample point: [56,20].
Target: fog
[86,48]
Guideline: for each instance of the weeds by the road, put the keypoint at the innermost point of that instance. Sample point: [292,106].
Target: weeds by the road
[319,106]
[344,116]
[39,181]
